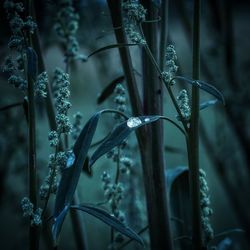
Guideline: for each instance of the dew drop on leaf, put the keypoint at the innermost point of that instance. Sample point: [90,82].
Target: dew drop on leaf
[146,120]
[71,159]
[133,122]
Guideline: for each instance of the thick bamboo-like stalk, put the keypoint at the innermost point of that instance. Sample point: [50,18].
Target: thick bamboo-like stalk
[153,176]
[193,137]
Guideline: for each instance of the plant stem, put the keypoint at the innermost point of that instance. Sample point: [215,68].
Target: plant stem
[34,243]
[193,140]
[154,62]
[158,210]
[164,33]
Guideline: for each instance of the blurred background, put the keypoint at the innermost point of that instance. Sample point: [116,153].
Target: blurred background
[224,131]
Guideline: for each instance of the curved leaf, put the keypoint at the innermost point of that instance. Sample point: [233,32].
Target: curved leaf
[172,174]
[109,220]
[112,46]
[119,133]
[71,175]
[208,104]
[204,86]
[109,89]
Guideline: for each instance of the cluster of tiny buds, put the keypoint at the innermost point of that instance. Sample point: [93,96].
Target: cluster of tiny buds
[61,80]
[206,211]
[171,67]
[183,103]
[134,14]
[41,85]
[76,129]
[120,99]
[53,138]
[28,211]
[66,26]
[18,25]
[112,192]
[134,11]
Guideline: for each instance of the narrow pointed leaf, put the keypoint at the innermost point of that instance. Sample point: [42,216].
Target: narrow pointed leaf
[112,46]
[172,174]
[11,106]
[119,133]
[109,89]
[71,174]
[86,169]
[109,220]
[208,104]
[204,86]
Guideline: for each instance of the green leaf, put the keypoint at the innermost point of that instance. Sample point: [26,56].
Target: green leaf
[112,46]
[109,220]
[208,104]
[119,133]
[71,174]
[32,62]
[204,86]
[173,174]
[109,89]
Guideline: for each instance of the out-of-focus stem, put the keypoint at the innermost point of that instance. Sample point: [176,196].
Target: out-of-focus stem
[193,138]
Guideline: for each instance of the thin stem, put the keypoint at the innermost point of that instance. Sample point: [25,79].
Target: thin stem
[193,140]
[164,33]
[34,244]
[167,85]
[116,182]
[131,240]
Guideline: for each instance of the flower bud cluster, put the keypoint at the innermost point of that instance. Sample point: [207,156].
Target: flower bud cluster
[171,67]
[206,211]
[19,26]
[134,13]
[28,211]
[183,103]
[66,27]
[120,99]
[61,80]
[41,85]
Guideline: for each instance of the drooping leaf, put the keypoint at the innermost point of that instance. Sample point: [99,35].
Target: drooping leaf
[109,220]
[112,46]
[119,133]
[172,174]
[204,86]
[107,91]
[208,104]
[10,106]
[71,174]
[174,150]
[32,62]
[86,169]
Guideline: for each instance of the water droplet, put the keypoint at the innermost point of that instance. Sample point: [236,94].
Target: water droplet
[71,159]
[146,120]
[133,122]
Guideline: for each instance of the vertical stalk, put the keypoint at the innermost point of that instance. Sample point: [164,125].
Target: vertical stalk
[164,33]
[33,237]
[153,180]
[33,230]
[158,211]
[193,137]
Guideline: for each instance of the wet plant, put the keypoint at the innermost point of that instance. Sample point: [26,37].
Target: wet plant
[137,109]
